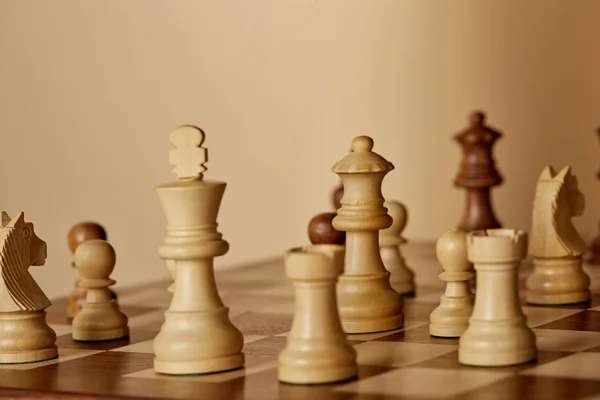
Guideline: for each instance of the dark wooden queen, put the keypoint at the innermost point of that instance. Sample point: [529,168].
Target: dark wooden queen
[478,173]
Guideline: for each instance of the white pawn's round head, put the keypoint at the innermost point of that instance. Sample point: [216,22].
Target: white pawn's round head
[451,251]
[397,211]
[95,259]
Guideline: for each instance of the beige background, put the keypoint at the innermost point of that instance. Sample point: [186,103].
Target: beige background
[90,89]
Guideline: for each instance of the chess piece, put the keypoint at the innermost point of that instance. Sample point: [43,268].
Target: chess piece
[197,336]
[26,337]
[78,234]
[451,318]
[402,278]
[317,350]
[99,319]
[366,300]
[594,258]
[595,246]
[321,230]
[498,334]
[556,247]
[84,231]
[478,173]
[336,198]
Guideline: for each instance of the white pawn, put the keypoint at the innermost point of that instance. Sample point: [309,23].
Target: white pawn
[451,318]
[99,319]
[402,278]
[317,350]
[498,334]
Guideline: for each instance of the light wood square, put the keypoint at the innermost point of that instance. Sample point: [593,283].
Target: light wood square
[62,329]
[63,355]
[579,365]
[566,340]
[253,365]
[146,346]
[425,382]
[537,316]
[398,354]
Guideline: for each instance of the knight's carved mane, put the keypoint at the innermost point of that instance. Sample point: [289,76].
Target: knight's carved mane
[18,283]
[552,232]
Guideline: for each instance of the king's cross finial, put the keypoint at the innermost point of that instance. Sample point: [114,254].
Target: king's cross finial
[187,156]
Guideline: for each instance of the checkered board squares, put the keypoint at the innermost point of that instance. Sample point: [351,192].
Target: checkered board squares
[398,354]
[402,364]
[566,340]
[425,382]
[253,365]
[537,316]
[64,355]
[580,365]
[146,346]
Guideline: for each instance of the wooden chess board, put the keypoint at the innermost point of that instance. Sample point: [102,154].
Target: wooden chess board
[402,364]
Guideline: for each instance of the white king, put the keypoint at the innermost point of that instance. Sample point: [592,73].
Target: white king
[197,336]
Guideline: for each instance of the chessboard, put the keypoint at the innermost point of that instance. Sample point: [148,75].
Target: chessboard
[402,364]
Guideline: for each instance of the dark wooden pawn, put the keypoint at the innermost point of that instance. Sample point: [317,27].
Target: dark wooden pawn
[321,230]
[478,173]
[78,234]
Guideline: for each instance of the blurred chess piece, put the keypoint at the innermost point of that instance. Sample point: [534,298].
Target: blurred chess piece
[451,317]
[99,318]
[556,247]
[26,336]
[336,198]
[402,278]
[595,246]
[595,250]
[78,234]
[321,230]
[478,173]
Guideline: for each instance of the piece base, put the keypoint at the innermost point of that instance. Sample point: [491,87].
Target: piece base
[446,331]
[377,325]
[99,336]
[310,375]
[558,299]
[488,359]
[30,356]
[199,367]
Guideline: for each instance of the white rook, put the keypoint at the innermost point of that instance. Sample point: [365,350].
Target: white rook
[497,334]
[317,350]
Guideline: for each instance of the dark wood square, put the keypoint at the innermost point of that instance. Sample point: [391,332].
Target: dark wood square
[135,336]
[419,334]
[533,387]
[450,361]
[265,386]
[263,324]
[586,320]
